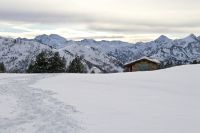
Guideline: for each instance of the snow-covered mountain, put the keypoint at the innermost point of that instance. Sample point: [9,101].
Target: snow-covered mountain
[53,40]
[18,53]
[176,52]
[92,56]
[105,56]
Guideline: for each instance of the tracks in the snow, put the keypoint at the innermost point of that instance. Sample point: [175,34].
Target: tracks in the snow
[32,110]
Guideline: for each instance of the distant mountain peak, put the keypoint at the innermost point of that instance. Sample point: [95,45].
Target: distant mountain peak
[198,38]
[191,38]
[52,40]
[56,36]
[43,36]
[163,38]
[88,40]
[51,36]
[192,35]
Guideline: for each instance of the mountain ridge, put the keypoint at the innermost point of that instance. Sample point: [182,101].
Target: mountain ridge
[106,56]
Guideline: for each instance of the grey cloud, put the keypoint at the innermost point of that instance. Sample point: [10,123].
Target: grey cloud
[145,28]
[73,17]
[43,17]
[100,37]
[13,30]
[99,23]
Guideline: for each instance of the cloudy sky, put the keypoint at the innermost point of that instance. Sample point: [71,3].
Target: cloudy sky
[129,20]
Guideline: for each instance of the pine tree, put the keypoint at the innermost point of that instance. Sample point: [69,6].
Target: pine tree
[2,68]
[76,66]
[56,64]
[195,62]
[47,62]
[41,63]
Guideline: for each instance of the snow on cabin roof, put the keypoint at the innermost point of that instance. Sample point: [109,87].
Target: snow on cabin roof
[144,58]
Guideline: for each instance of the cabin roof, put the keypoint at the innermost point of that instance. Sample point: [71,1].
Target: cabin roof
[143,58]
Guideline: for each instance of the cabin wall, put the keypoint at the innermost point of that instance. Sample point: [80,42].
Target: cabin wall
[142,66]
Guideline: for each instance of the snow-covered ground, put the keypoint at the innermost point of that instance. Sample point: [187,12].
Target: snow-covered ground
[164,101]
[24,109]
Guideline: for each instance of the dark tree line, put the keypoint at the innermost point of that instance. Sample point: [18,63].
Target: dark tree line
[49,62]
[76,66]
[174,62]
[196,62]
[2,68]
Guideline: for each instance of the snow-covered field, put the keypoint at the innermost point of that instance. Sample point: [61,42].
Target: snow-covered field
[164,101]
[24,109]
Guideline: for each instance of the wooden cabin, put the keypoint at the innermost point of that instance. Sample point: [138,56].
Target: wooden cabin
[143,64]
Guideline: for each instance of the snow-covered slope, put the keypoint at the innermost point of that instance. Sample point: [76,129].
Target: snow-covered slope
[93,58]
[164,101]
[18,53]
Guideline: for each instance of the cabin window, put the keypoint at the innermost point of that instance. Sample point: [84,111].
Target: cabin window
[143,67]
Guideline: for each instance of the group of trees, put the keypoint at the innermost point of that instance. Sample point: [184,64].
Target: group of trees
[76,66]
[52,62]
[49,62]
[174,62]
[196,62]
[2,68]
